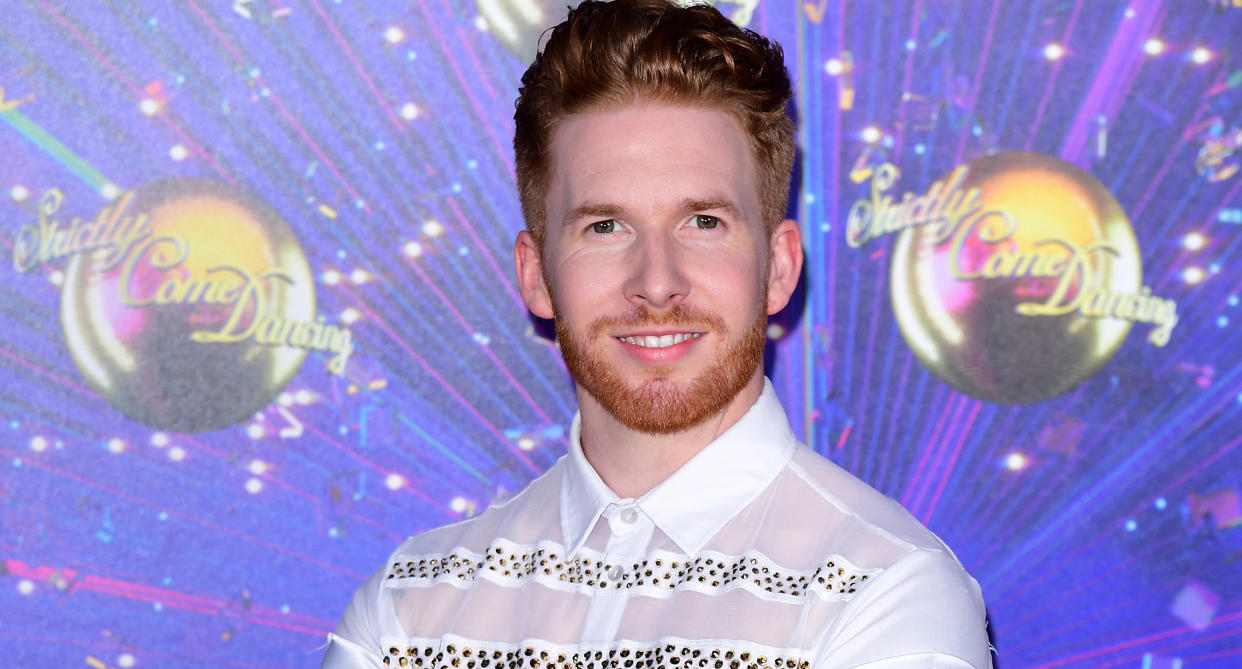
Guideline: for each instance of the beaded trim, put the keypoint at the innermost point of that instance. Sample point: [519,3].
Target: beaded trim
[835,578]
[627,656]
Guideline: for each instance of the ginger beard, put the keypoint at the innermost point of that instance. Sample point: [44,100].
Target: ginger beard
[658,405]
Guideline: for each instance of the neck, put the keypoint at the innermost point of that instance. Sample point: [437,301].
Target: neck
[631,462]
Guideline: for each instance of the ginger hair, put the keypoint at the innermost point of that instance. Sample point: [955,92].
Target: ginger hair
[609,54]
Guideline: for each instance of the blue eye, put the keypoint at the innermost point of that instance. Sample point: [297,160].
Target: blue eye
[604,227]
[705,222]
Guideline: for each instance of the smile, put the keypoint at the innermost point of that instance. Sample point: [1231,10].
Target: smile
[660,341]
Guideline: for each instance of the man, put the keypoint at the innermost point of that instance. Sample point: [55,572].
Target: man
[686,526]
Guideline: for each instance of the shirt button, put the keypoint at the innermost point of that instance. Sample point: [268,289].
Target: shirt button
[629,515]
[615,573]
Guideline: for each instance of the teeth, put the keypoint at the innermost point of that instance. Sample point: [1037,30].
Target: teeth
[662,341]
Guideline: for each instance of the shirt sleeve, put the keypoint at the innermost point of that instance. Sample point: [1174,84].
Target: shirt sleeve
[355,643]
[924,612]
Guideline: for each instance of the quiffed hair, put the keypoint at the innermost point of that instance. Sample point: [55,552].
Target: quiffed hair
[611,53]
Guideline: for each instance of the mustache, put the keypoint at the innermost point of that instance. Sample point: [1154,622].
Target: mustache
[678,315]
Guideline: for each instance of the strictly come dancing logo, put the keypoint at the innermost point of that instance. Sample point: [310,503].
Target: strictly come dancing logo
[1013,278]
[187,304]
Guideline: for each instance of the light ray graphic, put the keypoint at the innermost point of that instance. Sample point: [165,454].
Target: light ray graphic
[54,148]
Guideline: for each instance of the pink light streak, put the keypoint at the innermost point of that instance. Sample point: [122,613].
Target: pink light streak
[349,53]
[145,593]
[948,468]
[450,58]
[905,79]
[486,349]
[137,90]
[983,60]
[33,462]
[503,276]
[377,469]
[927,451]
[314,147]
[1130,643]
[448,387]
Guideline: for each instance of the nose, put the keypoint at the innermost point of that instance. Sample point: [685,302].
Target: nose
[656,272]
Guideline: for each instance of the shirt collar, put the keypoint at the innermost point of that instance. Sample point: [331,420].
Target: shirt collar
[735,468]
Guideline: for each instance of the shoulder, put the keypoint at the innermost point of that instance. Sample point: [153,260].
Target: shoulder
[919,601]
[924,609]
[845,498]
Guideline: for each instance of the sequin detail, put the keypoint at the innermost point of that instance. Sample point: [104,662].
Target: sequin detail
[835,578]
[621,656]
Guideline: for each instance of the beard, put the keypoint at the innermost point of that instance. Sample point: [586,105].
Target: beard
[658,405]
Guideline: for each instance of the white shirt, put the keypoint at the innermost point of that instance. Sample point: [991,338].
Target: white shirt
[757,552]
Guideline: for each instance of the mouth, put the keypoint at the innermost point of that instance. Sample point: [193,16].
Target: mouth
[660,341]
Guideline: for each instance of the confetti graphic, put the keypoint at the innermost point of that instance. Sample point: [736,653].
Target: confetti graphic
[1103,523]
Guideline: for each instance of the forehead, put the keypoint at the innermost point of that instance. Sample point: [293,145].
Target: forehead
[648,151]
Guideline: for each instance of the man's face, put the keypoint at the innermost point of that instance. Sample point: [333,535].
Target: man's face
[655,262]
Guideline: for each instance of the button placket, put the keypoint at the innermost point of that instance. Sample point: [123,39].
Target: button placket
[629,534]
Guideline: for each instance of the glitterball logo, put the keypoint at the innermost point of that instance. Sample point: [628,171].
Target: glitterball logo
[187,304]
[1014,277]
[520,24]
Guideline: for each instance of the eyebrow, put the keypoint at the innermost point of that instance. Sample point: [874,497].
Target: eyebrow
[687,205]
[734,211]
[591,210]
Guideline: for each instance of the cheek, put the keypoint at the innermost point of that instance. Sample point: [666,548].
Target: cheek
[580,284]
[735,284]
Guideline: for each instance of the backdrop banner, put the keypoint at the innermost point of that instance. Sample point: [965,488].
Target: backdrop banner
[261,324]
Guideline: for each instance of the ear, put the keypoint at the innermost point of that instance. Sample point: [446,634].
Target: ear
[785,264]
[529,263]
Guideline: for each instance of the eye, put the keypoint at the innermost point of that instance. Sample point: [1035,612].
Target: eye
[705,222]
[604,227]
